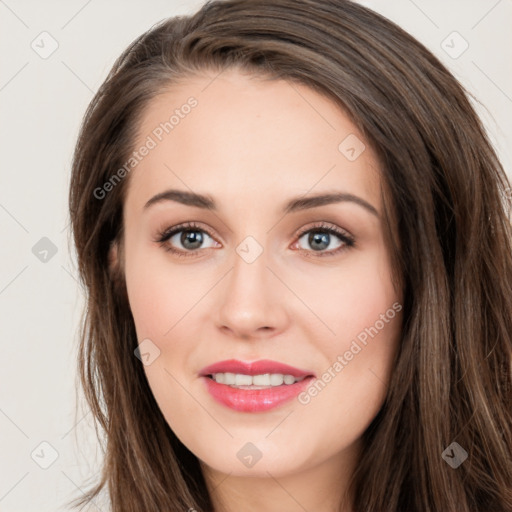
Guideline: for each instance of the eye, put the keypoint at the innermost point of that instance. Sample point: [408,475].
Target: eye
[321,236]
[188,237]
[186,240]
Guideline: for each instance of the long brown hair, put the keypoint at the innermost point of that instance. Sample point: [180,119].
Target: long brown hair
[450,243]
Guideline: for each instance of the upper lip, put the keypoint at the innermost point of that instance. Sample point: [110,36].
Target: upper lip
[253,368]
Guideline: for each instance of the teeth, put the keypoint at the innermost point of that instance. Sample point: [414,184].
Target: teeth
[267,379]
[243,380]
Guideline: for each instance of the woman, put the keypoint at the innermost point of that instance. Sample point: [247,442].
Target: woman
[294,236]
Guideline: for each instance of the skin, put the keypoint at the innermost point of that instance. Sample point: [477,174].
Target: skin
[253,145]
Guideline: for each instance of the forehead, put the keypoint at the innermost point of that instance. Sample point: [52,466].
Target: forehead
[249,139]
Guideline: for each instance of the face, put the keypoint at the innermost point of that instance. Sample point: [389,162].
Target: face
[259,272]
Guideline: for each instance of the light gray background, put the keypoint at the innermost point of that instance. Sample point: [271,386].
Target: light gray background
[42,101]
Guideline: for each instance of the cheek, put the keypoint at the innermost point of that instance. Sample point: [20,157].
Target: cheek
[353,382]
[159,293]
[362,311]
[350,298]
[160,297]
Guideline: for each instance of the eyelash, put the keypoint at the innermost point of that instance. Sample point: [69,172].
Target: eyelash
[321,227]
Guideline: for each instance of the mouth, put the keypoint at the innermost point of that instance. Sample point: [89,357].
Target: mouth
[254,387]
[260,381]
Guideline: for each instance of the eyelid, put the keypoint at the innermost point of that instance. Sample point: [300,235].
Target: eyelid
[346,238]
[189,225]
[164,235]
[326,226]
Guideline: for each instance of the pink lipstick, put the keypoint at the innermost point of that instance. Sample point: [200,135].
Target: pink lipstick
[255,386]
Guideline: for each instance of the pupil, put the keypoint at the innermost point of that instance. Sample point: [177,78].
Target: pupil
[319,238]
[194,237]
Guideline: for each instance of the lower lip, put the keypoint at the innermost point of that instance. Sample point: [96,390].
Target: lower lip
[254,400]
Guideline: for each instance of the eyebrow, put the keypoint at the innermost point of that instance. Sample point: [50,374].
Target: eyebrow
[296,204]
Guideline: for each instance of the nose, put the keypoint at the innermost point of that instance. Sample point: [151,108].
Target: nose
[250,302]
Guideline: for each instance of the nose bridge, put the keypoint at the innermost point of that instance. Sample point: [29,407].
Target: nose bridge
[249,299]
[249,278]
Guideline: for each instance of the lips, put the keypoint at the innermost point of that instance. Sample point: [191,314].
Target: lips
[253,368]
[248,398]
